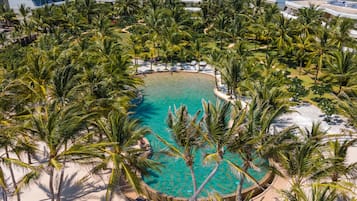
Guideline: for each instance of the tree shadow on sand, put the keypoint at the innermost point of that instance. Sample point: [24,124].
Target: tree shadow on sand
[74,189]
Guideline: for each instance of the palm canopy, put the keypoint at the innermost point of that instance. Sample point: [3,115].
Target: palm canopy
[342,67]
[122,156]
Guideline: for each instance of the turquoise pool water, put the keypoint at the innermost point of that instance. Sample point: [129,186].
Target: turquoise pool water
[162,91]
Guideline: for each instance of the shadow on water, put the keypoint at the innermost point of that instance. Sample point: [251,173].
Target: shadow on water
[145,110]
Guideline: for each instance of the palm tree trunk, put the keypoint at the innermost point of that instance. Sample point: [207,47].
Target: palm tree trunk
[194,183]
[50,185]
[12,175]
[209,177]
[4,194]
[318,67]
[59,190]
[29,158]
[239,196]
[215,79]
[339,88]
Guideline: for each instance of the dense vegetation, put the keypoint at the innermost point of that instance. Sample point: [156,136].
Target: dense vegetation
[68,75]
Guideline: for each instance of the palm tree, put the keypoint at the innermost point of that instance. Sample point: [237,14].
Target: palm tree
[186,132]
[283,38]
[7,15]
[252,126]
[303,46]
[342,68]
[135,48]
[216,132]
[197,50]
[336,166]
[232,72]
[219,30]
[88,8]
[124,160]
[348,105]
[126,8]
[55,126]
[214,57]
[303,160]
[309,18]
[321,50]
[10,143]
[341,30]
[315,192]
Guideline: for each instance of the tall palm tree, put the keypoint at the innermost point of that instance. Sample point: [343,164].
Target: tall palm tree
[315,192]
[303,160]
[321,50]
[219,29]
[186,132]
[342,67]
[214,57]
[232,72]
[309,18]
[251,130]
[124,160]
[216,133]
[7,15]
[348,105]
[336,166]
[341,29]
[55,126]
[283,38]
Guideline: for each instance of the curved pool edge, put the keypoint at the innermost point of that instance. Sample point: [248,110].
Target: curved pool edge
[252,191]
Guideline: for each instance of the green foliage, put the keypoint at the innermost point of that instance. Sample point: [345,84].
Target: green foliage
[328,106]
[78,54]
[321,89]
[297,89]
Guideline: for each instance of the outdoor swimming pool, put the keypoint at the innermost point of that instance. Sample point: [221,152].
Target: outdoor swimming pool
[343,3]
[161,92]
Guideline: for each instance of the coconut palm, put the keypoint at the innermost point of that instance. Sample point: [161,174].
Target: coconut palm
[55,126]
[214,57]
[342,67]
[341,30]
[126,8]
[135,48]
[303,45]
[122,157]
[336,166]
[348,105]
[219,29]
[7,15]
[320,51]
[216,133]
[283,38]
[232,73]
[252,129]
[304,159]
[315,192]
[186,132]
[309,18]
